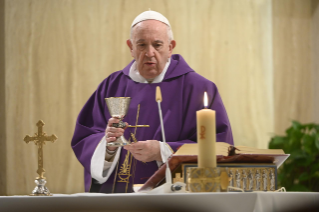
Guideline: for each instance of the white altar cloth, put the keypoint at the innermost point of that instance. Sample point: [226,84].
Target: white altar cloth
[187,202]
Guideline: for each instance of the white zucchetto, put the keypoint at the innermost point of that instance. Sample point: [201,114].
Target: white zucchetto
[150,15]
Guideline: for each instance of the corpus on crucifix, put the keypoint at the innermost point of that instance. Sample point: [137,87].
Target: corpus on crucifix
[39,139]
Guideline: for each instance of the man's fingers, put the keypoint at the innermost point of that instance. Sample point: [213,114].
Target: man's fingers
[139,157]
[145,151]
[133,147]
[113,120]
[110,139]
[111,134]
[139,151]
[138,145]
[114,130]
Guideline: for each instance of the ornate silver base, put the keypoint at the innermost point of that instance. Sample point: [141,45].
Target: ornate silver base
[40,189]
[120,141]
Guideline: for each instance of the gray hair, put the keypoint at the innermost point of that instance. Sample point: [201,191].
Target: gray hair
[169,33]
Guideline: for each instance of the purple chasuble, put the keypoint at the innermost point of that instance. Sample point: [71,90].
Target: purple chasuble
[182,93]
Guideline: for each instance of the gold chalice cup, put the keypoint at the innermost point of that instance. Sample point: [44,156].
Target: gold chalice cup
[118,107]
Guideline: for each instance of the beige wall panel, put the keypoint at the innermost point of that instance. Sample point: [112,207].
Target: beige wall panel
[315,56]
[293,86]
[235,53]
[40,73]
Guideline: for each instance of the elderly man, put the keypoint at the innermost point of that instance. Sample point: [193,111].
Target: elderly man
[115,169]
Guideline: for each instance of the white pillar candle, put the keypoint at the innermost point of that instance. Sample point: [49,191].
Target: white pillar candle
[206,136]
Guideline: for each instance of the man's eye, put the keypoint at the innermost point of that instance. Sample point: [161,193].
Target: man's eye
[158,45]
[141,45]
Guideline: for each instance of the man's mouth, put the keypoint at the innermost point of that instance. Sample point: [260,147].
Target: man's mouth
[149,63]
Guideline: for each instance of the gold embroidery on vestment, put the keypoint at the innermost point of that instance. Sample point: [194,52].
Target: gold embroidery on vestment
[125,169]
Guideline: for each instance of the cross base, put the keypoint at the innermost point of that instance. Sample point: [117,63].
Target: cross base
[40,189]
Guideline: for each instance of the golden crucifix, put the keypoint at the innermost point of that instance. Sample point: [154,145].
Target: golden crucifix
[39,139]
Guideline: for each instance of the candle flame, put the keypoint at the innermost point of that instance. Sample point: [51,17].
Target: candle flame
[205,100]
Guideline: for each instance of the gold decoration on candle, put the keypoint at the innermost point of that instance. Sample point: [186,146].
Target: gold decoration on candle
[39,139]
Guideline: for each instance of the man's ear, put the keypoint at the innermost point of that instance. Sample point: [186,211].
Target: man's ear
[171,47]
[130,46]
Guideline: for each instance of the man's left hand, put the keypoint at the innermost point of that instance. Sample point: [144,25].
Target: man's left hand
[145,151]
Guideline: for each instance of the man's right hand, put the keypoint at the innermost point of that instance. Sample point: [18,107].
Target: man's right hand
[111,133]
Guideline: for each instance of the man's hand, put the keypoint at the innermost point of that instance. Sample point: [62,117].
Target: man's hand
[145,151]
[111,133]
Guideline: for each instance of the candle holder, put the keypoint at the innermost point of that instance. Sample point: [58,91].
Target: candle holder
[203,179]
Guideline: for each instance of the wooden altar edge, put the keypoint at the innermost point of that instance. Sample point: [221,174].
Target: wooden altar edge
[176,160]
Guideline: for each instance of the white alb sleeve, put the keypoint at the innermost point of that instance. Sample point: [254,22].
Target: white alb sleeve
[166,151]
[100,168]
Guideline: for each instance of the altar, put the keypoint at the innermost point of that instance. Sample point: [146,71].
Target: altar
[185,202]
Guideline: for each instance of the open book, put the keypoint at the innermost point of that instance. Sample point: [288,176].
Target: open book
[226,149]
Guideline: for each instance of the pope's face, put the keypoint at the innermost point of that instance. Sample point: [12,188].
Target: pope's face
[150,47]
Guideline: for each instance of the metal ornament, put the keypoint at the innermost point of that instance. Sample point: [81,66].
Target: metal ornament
[118,107]
[39,139]
[40,189]
[253,178]
[203,179]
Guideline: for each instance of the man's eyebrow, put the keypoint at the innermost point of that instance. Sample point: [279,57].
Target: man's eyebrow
[143,40]
[140,40]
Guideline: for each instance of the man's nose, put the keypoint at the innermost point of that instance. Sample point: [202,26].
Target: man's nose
[150,51]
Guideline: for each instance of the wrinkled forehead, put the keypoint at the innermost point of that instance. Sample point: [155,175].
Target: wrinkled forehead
[150,29]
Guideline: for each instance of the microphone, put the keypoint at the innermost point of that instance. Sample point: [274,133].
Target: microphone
[159,99]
